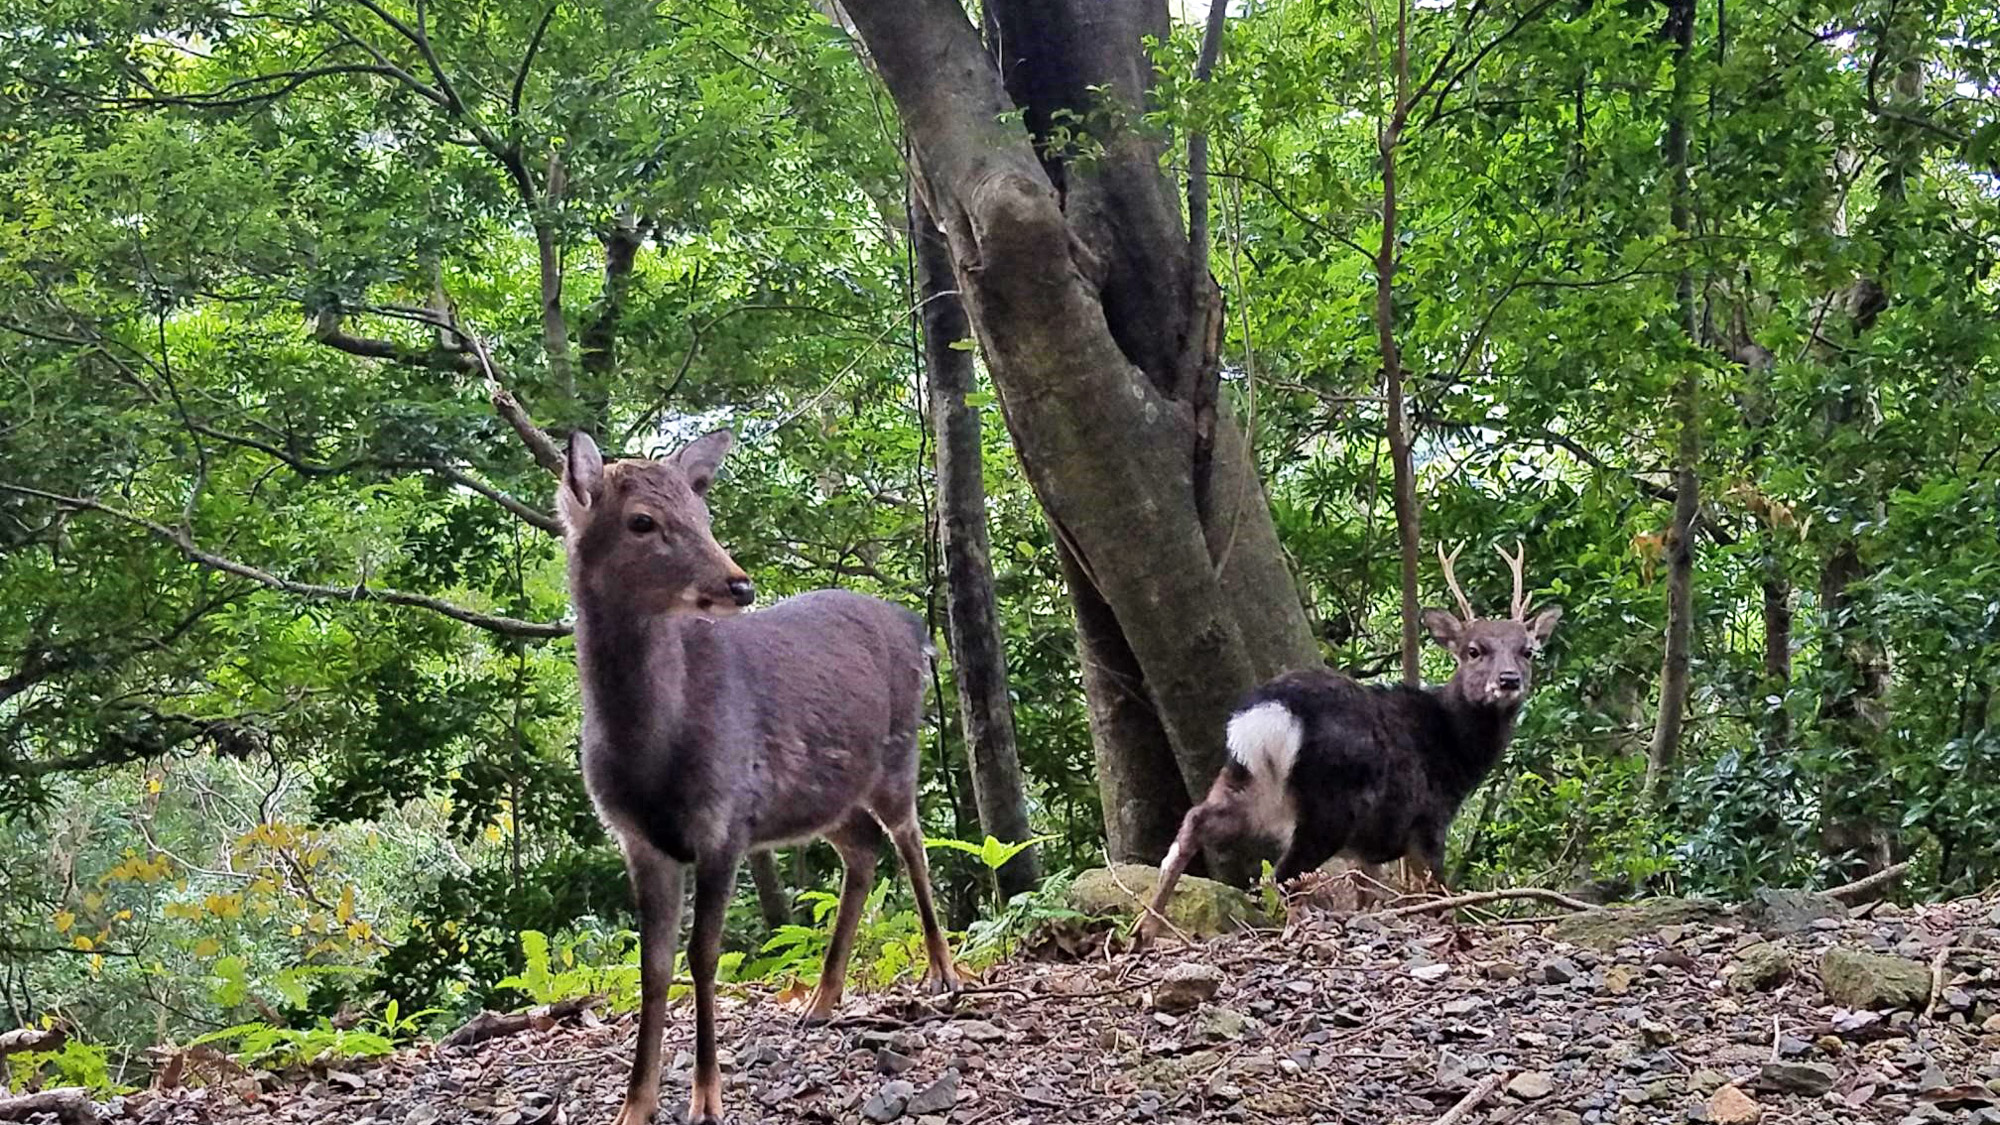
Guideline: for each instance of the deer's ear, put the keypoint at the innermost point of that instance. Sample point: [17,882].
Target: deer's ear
[1444,627]
[1544,623]
[583,478]
[702,457]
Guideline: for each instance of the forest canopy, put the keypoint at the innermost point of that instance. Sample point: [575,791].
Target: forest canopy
[1699,302]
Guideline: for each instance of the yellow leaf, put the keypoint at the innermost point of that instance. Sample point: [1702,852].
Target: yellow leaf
[63,921]
[207,947]
[153,785]
[82,942]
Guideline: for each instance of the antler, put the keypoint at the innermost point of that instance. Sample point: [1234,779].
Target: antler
[1515,562]
[1451,579]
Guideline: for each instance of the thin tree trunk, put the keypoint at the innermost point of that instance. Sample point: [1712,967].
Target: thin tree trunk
[1855,825]
[1386,260]
[1687,416]
[548,251]
[978,658]
[1777,601]
[773,904]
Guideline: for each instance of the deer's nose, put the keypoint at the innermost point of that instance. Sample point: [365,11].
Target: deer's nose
[742,591]
[1509,681]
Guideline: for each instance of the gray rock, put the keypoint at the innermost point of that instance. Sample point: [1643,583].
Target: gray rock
[888,1103]
[1759,967]
[1810,1079]
[1185,987]
[1777,911]
[1858,979]
[1221,1024]
[1530,1085]
[1556,970]
[937,1097]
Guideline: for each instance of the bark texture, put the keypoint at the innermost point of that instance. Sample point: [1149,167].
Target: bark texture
[1077,279]
[978,658]
[1687,417]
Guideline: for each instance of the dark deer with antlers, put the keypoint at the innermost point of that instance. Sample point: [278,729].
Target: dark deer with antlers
[1325,766]
[706,734]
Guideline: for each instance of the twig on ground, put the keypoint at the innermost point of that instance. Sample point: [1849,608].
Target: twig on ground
[1868,883]
[1539,894]
[1472,1099]
[492,1025]
[1937,978]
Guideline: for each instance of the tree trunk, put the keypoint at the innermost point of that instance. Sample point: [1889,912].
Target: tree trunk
[773,904]
[1777,597]
[1855,824]
[1077,279]
[978,659]
[1133,754]
[1386,259]
[1687,415]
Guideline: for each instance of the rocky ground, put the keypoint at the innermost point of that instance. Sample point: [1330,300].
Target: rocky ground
[1795,1008]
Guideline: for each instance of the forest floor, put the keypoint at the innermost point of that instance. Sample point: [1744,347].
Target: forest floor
[1794,1009]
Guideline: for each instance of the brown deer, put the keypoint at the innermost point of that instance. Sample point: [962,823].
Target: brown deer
[706,733]
[1325,766]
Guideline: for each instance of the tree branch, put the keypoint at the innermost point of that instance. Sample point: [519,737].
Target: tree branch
[360,591]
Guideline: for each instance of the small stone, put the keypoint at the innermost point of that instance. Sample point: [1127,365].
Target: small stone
[1731,1106]
[888,1103]
[1556,970]
[1185,987]
[1463,1006]
[1501,970]
[1707,1081]
[980,1031]
[1759,967]
[1618,979]
[1530,1085]
[937,1097]
[1431,972]
[893,1062]
[1655,1034]
[422,1115]
[1221,1024]
[1992,1022]
[1830,1044]
[1810,1079]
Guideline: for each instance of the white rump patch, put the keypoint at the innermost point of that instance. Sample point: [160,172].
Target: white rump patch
[1265,740]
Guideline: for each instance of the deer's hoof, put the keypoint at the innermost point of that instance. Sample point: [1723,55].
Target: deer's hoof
[636,1113]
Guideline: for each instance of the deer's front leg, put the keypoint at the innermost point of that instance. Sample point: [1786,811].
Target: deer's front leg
[714,881]
[656,886]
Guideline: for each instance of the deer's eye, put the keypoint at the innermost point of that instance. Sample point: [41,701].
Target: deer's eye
[1474,652]
[641,524]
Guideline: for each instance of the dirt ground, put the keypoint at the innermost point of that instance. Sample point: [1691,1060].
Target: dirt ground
[1799,1011]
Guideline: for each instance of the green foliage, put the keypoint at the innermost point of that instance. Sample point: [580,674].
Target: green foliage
[76,1063]
[259,1044]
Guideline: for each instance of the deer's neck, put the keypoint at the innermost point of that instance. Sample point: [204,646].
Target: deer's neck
[1480,732]
[632,669]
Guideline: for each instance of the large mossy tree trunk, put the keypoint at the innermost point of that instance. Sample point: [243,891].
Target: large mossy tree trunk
[1079,280]
[972,612]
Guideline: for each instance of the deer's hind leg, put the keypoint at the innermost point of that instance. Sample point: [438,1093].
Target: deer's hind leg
[859,841]
[909,838]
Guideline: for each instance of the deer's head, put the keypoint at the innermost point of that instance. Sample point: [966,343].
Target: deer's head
[638,535]
[1495,655]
